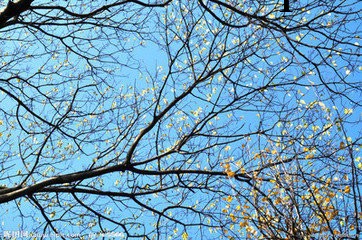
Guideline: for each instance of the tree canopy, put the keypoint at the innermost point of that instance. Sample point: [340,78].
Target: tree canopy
[181,119]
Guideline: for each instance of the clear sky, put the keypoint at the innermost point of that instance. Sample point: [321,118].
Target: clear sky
[111,66]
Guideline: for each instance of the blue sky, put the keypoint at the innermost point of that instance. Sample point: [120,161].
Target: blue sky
[109,106]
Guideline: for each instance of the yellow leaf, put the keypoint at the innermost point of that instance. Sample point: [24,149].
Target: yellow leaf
[52,214]
[348,111]
[347,189]
[230,174]
[332,194]
[232,216]
[229,198]
[185,236]
[277,201]
[341,145]
[315,128]
[359,165]
[243,224]
[257,155]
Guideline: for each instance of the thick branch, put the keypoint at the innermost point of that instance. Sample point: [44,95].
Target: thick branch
[7,195]
[13,10]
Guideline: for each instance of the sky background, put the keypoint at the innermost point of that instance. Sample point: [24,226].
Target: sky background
[138,72]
